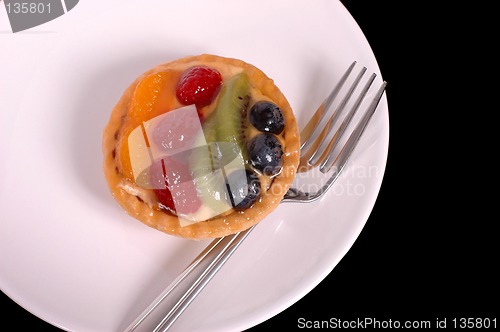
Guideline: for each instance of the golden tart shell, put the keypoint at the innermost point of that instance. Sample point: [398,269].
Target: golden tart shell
[137,203]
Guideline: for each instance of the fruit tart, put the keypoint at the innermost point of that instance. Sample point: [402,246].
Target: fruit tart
[201,147]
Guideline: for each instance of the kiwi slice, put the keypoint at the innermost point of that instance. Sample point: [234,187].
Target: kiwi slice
[223,131]
[225,124]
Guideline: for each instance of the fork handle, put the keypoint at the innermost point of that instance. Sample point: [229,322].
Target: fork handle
[172,302]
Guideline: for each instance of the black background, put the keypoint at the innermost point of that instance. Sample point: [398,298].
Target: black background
[427,251]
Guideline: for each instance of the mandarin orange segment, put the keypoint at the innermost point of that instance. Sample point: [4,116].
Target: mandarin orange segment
[154,95]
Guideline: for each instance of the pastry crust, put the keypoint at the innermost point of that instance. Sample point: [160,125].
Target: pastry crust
[137,202]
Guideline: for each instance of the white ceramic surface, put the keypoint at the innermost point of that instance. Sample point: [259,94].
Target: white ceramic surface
[69,254]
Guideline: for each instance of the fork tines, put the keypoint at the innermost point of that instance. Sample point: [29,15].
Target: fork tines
[319,146]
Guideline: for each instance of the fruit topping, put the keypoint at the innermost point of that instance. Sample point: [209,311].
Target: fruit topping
[201,170]
[198,85]
[265,153]
[173,185]
[225,149]
[244,188]
[267,117]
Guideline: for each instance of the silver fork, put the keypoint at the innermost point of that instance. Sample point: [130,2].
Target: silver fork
[317,150]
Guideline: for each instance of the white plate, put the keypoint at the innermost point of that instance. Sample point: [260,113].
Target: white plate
[69,254]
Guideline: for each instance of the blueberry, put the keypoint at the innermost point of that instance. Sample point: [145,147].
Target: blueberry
[265,154]
[267,117]
[244,186]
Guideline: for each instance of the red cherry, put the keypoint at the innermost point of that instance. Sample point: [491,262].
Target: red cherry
[165,198]
[170,175]
[198,85]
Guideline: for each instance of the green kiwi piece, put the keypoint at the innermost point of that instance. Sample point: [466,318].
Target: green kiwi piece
[223,131]
[225,124]
[232,108]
